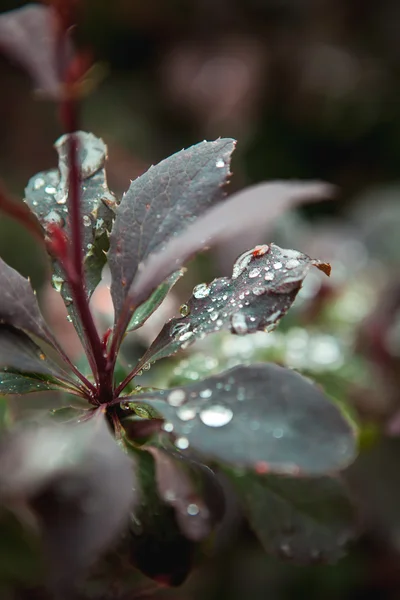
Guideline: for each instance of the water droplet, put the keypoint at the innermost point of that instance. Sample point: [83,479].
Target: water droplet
[201,291]
[69,318]
[254,273]
[269,276]
[86,221]
[54,218]
[187,337]
[50,189]
[146,367]
[292,263]
[61,197]
[239,325]
[57,282]
[216,416]
[277,433]
[124,406]
[220,163]
[193,510]
[277,266]
[179,328]
[214,316]
[259,291]
[286,551]
[184,310]
[182,443]
[168,427]
[42,356]
[207,393]
[38,183]
[186,413]
[241,263]
[169,496]
[176,398]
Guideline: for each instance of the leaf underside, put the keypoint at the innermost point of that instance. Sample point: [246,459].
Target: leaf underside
[161,203]
[263,417]
[264,284]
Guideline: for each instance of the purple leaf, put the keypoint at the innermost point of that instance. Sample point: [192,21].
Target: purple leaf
[79,483]
[18,353]
[256,205]
[159,205]
[28,35]
[192,490]
[18,304]
[305,520]
[47,195]
[264,284]
[263,417]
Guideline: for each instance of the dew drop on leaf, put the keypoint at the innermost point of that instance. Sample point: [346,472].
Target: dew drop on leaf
[254,273]
[201,291]
[39,183]
[86,221]
[259,291]
[269,276]
[214,316]
[50,189]
[184,310]
[186,413]
[168,427]
[220,163]
[207,393]
[193,510]
[176,398]
[182,443]
[216,416]
[277,265]
[292,263]
[239,325]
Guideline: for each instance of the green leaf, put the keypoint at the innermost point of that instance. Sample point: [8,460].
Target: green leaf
[263,417]
[145,310]
[303,519]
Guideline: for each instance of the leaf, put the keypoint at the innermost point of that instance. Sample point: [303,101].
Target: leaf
[264,284]
[18,304]
[303,519]
[47,193]
[18,384]
[18,353]
[158,205]
[146,309]
[256,205]
[374,481]
[192,490]
[80,485]
[156,545]
[29,35]
[263,417]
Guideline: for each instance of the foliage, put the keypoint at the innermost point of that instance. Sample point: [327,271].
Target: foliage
[141,472]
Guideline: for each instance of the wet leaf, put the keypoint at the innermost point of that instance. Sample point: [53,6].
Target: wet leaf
[80,485]
[257,205]
[146,309]
[264,284]
[303,519]
[159,205]
[18,353]
[263,417]
[18,384]
[192,490]
[156,544]
[28,35]
[47,194]
[18,304]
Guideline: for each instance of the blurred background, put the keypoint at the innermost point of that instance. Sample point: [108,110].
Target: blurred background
[310,89]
